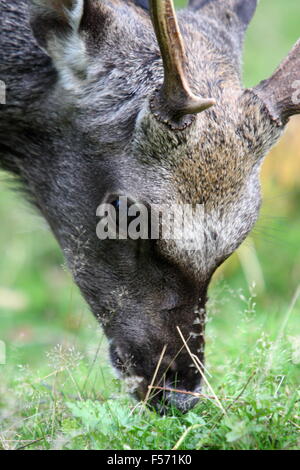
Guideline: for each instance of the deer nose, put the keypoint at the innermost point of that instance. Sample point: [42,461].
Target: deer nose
[182,400]
[174,393]
[164,401]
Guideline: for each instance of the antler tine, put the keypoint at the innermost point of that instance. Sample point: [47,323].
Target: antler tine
[175,99]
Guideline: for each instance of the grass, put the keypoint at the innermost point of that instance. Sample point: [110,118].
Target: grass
[57,390]
[72,401]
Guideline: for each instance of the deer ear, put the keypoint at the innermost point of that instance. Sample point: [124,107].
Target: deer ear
[58,26]
[281,92]
[244,9]
[53,18]
[55,25]
[142,3]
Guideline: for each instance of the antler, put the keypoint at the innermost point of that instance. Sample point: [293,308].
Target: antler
[281,92]
[174,103]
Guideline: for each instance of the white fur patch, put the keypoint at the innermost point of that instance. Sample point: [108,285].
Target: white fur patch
[75,15]
[69,52]
[132,383]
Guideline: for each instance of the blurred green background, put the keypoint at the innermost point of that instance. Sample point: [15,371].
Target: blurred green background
[40,307]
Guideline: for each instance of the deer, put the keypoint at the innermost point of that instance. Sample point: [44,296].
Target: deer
[124,97]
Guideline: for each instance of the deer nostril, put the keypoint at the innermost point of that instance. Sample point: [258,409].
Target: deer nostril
[117,360]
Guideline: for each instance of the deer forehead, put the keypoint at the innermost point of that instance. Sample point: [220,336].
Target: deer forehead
[213,170]
[216,157]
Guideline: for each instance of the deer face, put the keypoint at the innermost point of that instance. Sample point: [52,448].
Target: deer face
[134,125]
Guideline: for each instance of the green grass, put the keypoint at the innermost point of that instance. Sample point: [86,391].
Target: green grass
[57,390]
[71,400]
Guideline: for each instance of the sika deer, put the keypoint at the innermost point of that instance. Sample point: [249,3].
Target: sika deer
[108,98]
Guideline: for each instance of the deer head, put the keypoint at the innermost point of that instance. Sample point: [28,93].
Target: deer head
[149,105]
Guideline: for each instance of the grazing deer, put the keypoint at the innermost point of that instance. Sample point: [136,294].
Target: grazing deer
[116,97]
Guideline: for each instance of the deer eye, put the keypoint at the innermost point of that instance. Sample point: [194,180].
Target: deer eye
[121,210]
[116,204]
[122,205]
